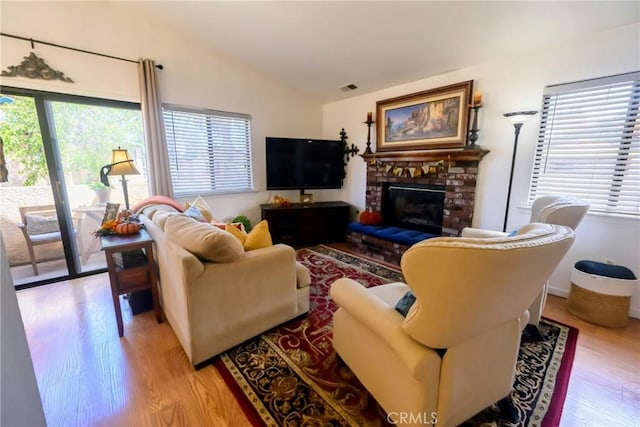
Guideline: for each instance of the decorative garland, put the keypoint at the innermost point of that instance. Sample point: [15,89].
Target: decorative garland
[426,169]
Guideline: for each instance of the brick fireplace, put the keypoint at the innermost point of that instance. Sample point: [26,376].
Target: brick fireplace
[455,171]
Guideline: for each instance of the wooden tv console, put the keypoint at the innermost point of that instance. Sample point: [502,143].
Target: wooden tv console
[301,224]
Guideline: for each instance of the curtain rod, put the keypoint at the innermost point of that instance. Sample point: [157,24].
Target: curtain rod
[32,41]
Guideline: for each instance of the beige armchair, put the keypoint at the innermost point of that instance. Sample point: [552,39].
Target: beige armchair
[455,352]
[559,210]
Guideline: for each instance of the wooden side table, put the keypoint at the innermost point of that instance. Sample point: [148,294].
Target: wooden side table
[125,279]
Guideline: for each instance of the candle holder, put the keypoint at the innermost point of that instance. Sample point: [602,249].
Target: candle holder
[473,132]
[369,122]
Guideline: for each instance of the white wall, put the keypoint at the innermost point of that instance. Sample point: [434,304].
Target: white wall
[194,75]
[20,403]
[515,84]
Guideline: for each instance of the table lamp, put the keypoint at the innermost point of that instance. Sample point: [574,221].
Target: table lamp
[122,165]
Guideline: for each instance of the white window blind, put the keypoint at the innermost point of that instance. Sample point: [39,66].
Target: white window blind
[209,151]
[589,144]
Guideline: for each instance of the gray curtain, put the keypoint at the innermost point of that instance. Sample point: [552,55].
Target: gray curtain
[157,155]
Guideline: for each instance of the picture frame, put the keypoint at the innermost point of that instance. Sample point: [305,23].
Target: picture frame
[434,118]
[111,212]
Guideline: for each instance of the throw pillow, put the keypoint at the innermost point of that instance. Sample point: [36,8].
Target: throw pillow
[195,213]
[239,225]
[223,225]
[239,234]
[39,224]
[258,237]
[405,303]
[201,204]
[203,239]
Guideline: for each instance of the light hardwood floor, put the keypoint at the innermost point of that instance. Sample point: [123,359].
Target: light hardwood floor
[87,376]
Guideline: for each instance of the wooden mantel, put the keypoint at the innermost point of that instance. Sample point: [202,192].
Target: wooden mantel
[456,154]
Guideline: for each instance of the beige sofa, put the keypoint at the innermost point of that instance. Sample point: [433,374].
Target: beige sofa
[213,306]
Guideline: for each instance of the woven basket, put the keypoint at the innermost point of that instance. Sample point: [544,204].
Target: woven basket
[601,309]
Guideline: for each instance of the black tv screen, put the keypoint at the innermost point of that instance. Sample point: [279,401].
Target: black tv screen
[296,163]
[283,156]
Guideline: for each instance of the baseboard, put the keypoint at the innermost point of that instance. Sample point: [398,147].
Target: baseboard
[564,293]
[559,292]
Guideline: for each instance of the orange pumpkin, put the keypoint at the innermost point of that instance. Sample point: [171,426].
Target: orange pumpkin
[370,217]
[128,228]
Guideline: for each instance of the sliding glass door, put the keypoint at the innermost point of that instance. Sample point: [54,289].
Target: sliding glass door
[61,169]
[28,221]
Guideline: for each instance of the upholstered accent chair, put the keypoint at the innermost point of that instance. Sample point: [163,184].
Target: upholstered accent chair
[559,210]
[455,352]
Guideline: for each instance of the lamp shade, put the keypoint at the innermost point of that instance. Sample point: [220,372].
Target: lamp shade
[121,164]
[519,117]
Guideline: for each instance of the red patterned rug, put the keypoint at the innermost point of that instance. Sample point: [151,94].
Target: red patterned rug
[290,375]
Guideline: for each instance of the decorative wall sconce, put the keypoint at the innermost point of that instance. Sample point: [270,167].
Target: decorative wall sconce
[348,151]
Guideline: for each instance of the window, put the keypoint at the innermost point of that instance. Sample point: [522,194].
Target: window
[209,151]
[589,144]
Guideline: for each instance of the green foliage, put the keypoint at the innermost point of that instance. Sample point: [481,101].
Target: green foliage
[22,140]
[244,220]
[85,136]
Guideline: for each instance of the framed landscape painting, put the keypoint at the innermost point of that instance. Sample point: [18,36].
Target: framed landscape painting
[436,118]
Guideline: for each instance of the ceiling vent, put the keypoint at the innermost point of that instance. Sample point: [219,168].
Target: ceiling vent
[348,87]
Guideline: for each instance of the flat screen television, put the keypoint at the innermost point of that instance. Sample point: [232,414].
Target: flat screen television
[304,164]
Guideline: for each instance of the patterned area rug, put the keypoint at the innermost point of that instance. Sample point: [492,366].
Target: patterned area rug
[291,375]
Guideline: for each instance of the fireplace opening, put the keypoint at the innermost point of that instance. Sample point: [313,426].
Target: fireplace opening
[413,206]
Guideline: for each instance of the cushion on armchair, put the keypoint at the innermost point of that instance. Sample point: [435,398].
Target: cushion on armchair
[404,304]
[39,224]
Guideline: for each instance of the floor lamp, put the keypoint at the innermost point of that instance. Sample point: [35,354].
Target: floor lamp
[517,118]
[122,165]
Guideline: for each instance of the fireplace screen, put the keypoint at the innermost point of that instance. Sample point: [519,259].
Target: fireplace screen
[413,206]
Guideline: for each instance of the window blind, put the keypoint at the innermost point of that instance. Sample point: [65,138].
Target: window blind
[589,144]
[209,151]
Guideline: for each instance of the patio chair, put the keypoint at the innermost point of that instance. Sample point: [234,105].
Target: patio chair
[40,227]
